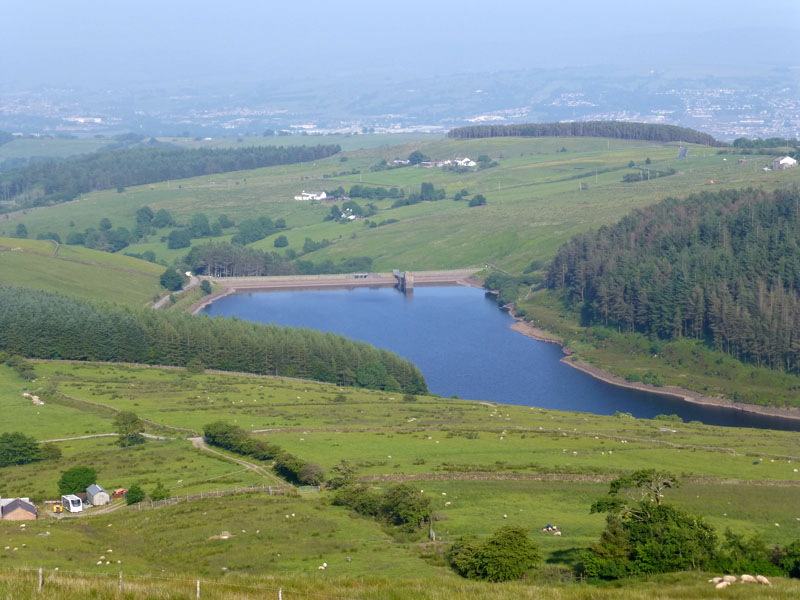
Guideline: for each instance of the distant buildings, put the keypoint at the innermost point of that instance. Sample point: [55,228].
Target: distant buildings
[305,196]
[783,162]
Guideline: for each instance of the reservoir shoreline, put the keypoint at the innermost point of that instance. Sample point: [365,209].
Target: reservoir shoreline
[526,329]
[245,285]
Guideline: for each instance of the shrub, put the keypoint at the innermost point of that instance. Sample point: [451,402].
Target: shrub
[135,494]
[311,474]
[159,492]
[205,286]
[505,556]
[404,505]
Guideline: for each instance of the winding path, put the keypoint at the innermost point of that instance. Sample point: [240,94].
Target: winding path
[200,443]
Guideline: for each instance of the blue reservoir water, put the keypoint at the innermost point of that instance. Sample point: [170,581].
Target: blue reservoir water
[463,344]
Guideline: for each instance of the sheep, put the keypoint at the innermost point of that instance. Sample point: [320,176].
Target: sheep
[722,585]
[729,578]
[447,503]
[715,580]
[747,579]
[558,533]
[762,580]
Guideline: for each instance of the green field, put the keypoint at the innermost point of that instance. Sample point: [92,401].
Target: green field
[44,147]
[484,465]
[535,200]
[78,271]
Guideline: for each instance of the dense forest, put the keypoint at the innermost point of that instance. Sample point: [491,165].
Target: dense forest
[51,182]
[605,129]
[722,266]
[46,325]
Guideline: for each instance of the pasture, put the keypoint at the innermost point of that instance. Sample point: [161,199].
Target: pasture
[538,196]
[483,465]
[78,271]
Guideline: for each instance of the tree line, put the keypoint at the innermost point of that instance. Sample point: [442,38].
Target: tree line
[230,260]
[51,182]
[605,129]
[724,267]
[52,326]
[16,448]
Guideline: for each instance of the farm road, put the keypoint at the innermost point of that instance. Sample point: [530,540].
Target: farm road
[200,443]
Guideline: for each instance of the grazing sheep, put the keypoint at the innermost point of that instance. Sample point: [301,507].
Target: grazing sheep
[715,580]
[762,580]
[729,578]
[558,533]
[722,585]
[447,504]
[747,579]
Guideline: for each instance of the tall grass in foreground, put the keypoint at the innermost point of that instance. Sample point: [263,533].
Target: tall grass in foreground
[23,585]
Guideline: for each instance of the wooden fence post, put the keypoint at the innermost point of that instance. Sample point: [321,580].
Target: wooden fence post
[120,581]
[41,581]
[198,588]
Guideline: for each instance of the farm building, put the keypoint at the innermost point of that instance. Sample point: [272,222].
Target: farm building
[783,162]
[17,509]
[465,162]
[304,195]
[97,495]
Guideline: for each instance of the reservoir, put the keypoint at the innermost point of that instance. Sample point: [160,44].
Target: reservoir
[464,346]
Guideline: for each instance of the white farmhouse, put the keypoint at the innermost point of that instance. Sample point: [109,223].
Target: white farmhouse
[465,162]
[783,162]
[304,196]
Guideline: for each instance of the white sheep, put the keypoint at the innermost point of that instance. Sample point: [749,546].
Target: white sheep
[558,533]
[729,578]
[747,578]
[722,585]
[762,580]
[715,580]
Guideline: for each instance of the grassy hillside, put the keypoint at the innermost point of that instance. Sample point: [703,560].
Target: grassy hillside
[538,196]
[78,271]
[483,466]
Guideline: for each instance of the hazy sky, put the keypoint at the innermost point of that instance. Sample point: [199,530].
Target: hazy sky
[89,43]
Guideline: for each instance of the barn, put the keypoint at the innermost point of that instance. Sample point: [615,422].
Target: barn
[97,495]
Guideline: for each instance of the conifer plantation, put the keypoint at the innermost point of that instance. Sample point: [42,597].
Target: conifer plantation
[606,129]
[724,267]
[45,325]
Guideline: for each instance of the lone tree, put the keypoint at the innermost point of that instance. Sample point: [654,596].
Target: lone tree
[645,535]
[505,556]
[416,157]
[76,479]
[171,280]
[129,427]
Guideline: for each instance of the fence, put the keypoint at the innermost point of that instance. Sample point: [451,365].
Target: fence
[74,583]
[272,490]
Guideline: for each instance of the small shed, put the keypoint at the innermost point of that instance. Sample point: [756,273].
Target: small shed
[783,162]
[97,495]
[17,509]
